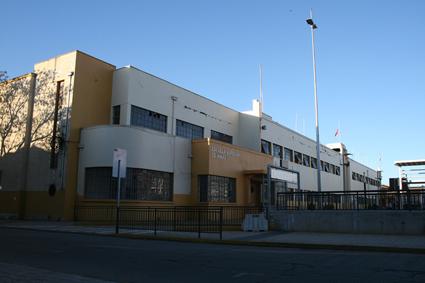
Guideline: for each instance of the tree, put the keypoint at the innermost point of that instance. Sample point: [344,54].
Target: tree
[14,99]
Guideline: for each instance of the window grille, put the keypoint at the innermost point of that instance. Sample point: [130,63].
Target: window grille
[216,188]
[221,137]
[188,130]
[148,119]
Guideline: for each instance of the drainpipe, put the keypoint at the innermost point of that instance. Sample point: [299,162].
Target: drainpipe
[173,134]
[27,145]
[66,137]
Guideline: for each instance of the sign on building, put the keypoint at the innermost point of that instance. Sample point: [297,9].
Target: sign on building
[287,176]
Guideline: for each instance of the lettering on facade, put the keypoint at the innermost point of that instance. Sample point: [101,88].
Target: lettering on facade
[222,153]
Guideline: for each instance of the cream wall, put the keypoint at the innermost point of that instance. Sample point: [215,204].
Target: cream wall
[146,149]
[134,87]
[278,134]
[362,170]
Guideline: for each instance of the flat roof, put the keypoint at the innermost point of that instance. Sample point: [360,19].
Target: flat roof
[417,162]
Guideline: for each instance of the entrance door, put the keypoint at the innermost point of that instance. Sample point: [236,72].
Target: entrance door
[255,192]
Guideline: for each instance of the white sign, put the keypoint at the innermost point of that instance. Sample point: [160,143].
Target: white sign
[284,175]
[120,158]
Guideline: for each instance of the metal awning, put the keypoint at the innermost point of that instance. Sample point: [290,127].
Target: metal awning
[402,163]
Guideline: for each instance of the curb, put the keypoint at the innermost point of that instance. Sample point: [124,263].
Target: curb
[241,242]
[279,244]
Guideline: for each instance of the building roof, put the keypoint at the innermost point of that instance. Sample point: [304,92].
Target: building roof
[417,162]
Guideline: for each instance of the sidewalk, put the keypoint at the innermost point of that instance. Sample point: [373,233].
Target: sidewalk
[365,242]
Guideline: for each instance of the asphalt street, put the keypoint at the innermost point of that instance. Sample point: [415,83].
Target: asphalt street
[36,256]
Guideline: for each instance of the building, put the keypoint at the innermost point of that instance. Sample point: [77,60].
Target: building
[183,148]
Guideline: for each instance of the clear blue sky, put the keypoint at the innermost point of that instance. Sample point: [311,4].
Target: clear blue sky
[370,58]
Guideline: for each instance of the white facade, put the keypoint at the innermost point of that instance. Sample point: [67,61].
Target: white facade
[163,151]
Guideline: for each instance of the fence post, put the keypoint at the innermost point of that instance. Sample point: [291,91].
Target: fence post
[221,223]
[117,222]
[357,200]
[199,223]
[399,199]
[174,219]
[154,216]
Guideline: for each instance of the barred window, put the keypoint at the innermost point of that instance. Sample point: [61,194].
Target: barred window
[288,154]
[216,188]
[140,184]
[116,112]
[99,183]
[188,130]
[306,160]
[148,119]
[143,184]
[277,151]
[221,137]
[266,147]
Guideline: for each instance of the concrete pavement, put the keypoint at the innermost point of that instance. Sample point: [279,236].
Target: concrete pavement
[40,256]
[391,243]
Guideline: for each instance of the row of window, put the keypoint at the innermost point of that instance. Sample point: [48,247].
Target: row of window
[149,119]
[298,157]
[140,184]
[143,184]
[364,179]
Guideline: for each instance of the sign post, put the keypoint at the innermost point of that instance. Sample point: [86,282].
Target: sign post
[119,166]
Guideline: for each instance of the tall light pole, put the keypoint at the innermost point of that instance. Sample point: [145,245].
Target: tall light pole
[313,26]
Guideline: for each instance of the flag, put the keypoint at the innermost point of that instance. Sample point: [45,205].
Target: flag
[337,132]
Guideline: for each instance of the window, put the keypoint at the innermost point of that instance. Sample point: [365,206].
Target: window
[55,142]
[337,170]
[188,130]
[277,151]
[216,188]
[116,112]
[332,168]
[353,176]
[140,184]
[298,157]
[327,169]
[306,160]
[148,119]
[99,183]
[313,163]
[143,184]
[221,137]
[288,154]
[266,147]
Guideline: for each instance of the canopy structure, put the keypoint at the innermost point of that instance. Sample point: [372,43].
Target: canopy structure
[414,176]
[403,163]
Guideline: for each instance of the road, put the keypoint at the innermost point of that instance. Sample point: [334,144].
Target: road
[36,256]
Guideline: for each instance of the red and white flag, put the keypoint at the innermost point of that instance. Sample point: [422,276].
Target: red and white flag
[337,133]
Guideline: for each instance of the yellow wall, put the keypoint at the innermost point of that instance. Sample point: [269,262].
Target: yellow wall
[211,157]
[92,92]
[38,204]
[90,102]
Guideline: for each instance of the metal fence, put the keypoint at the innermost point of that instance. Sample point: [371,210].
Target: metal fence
[352,200]
[199,219]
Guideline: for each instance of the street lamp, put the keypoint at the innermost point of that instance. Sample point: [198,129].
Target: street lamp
[313,26]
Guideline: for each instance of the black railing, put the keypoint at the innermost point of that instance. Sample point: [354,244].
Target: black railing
[199,219]
[351,200]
